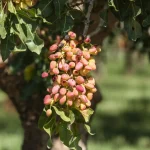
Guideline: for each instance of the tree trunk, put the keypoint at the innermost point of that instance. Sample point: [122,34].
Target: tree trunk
[29,110]
[34,138]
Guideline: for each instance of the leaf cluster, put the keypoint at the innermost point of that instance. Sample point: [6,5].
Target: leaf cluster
[66,123]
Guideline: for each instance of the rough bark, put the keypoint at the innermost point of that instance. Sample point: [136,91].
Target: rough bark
[34,138]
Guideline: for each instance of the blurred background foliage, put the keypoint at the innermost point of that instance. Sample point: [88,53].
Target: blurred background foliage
[122,119]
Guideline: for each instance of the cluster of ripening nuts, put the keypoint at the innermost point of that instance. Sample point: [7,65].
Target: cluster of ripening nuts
[70,64]
[24,4]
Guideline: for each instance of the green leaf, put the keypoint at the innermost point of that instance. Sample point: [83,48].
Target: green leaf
[35,45]
[133,29]
[49,143]
[64,133]
[11,7]
[69,136]
[76,14]
[49,125]
[61,114]
[136,11]
[45,8]
[104,17]
[87,114]
[33,15]
[6,47]
[3,32]
[27,37]
[67,23]
[112,4]
[59,6]
[24,30]
[88,129]
[72,117]
[75,143]
[146,21]
[42,120]
[20,48]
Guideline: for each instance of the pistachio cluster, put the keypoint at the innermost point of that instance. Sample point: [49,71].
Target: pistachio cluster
[70,64]
[24,3]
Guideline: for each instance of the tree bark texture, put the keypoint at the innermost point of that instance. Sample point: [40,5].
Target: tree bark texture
[29,110]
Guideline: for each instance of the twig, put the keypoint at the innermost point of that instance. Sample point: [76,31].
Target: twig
[77,4]
[100,25]
[87,21]
[98,29]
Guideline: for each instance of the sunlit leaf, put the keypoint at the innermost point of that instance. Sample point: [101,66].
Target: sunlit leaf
[35,45]
[61,114]
[20,48]
[3,32]
[87,114]
[72,117]
[88,129]
[112,4]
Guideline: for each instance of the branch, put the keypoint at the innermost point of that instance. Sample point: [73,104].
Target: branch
[77,4]
[98,29]
[100,25]
[87,21]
